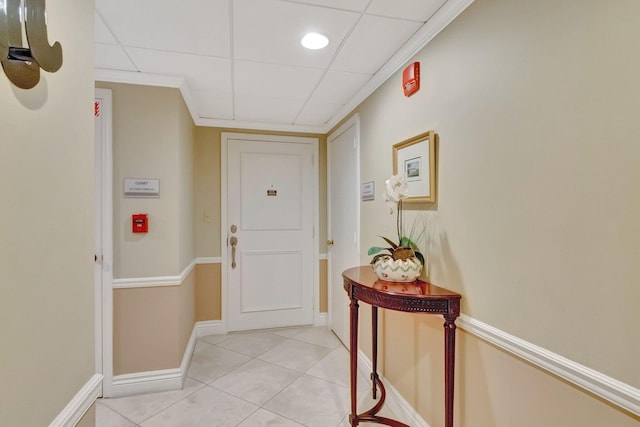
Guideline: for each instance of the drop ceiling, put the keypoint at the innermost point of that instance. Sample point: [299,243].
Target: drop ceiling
[240,64]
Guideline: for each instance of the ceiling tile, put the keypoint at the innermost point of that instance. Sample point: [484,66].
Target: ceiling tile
[372,43]
[201,72]
[407,9]
[268,110]
[339,87]
[317,113]
[270,31]
[354,5]
[192,26]
[275,81]
[102,33]
[112,57]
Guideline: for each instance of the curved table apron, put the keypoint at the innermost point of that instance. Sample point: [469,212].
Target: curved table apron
[362,284]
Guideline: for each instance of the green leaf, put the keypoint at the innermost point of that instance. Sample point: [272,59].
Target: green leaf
[405,241]
[375,249]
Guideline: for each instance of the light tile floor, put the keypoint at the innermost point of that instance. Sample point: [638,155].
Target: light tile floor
[287,377]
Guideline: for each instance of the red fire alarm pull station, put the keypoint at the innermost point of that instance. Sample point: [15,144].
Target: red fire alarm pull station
[411,79]
[139,223]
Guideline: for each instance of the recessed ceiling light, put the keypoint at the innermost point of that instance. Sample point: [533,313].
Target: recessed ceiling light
[315,41]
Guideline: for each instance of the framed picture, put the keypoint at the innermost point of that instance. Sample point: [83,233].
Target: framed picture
[416,159]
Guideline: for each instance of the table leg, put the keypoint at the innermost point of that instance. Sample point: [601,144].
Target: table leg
[353,349]
[374,341]
[449,367]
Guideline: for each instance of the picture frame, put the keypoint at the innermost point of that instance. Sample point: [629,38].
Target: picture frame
[416,159]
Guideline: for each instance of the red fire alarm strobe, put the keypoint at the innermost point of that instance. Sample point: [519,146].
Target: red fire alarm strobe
[139,223]
[411,79]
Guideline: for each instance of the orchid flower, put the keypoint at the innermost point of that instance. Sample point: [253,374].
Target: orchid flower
[396,189]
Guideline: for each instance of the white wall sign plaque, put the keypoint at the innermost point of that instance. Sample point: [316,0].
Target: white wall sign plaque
[141,187]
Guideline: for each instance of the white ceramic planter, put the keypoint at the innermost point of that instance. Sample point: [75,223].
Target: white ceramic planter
[397,270]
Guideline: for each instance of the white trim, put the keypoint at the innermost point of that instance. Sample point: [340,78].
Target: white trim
[237,124]
[397,404]
[320,320]
[209,260]
[615,391]
[188,352]
[322,257]
[210,327]
[447,13]
[146,282]
[137,78]
[104,291]
[147,382]
[80,404]
[317,316]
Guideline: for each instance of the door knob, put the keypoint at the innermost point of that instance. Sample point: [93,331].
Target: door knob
[329,242]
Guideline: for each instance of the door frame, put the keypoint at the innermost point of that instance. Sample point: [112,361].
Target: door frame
[353,121]
[104,254]
[224,225]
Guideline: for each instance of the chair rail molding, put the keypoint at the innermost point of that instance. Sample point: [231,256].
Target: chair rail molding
[610,389]
[80,404]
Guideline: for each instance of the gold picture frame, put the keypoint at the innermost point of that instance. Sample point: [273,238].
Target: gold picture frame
[416,159]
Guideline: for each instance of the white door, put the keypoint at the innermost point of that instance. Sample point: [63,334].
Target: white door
[344,220]
[270,221]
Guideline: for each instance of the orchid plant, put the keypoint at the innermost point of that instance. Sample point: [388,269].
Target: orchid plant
[396,189]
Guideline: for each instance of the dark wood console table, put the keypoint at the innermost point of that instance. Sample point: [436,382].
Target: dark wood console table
[362,284]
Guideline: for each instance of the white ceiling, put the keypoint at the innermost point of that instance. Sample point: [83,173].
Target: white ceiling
[239,63]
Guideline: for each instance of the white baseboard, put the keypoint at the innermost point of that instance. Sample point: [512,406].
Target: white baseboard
[80,404]
[320,320]
[146,382]
[397,404]
[210,327]
[615,391]
[155,381]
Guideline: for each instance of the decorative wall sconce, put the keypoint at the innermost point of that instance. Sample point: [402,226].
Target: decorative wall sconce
[22,64]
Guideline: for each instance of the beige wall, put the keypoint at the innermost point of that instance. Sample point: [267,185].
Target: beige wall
[208,292]
[152,326]
[152,138]
[46,228]
[535,104]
